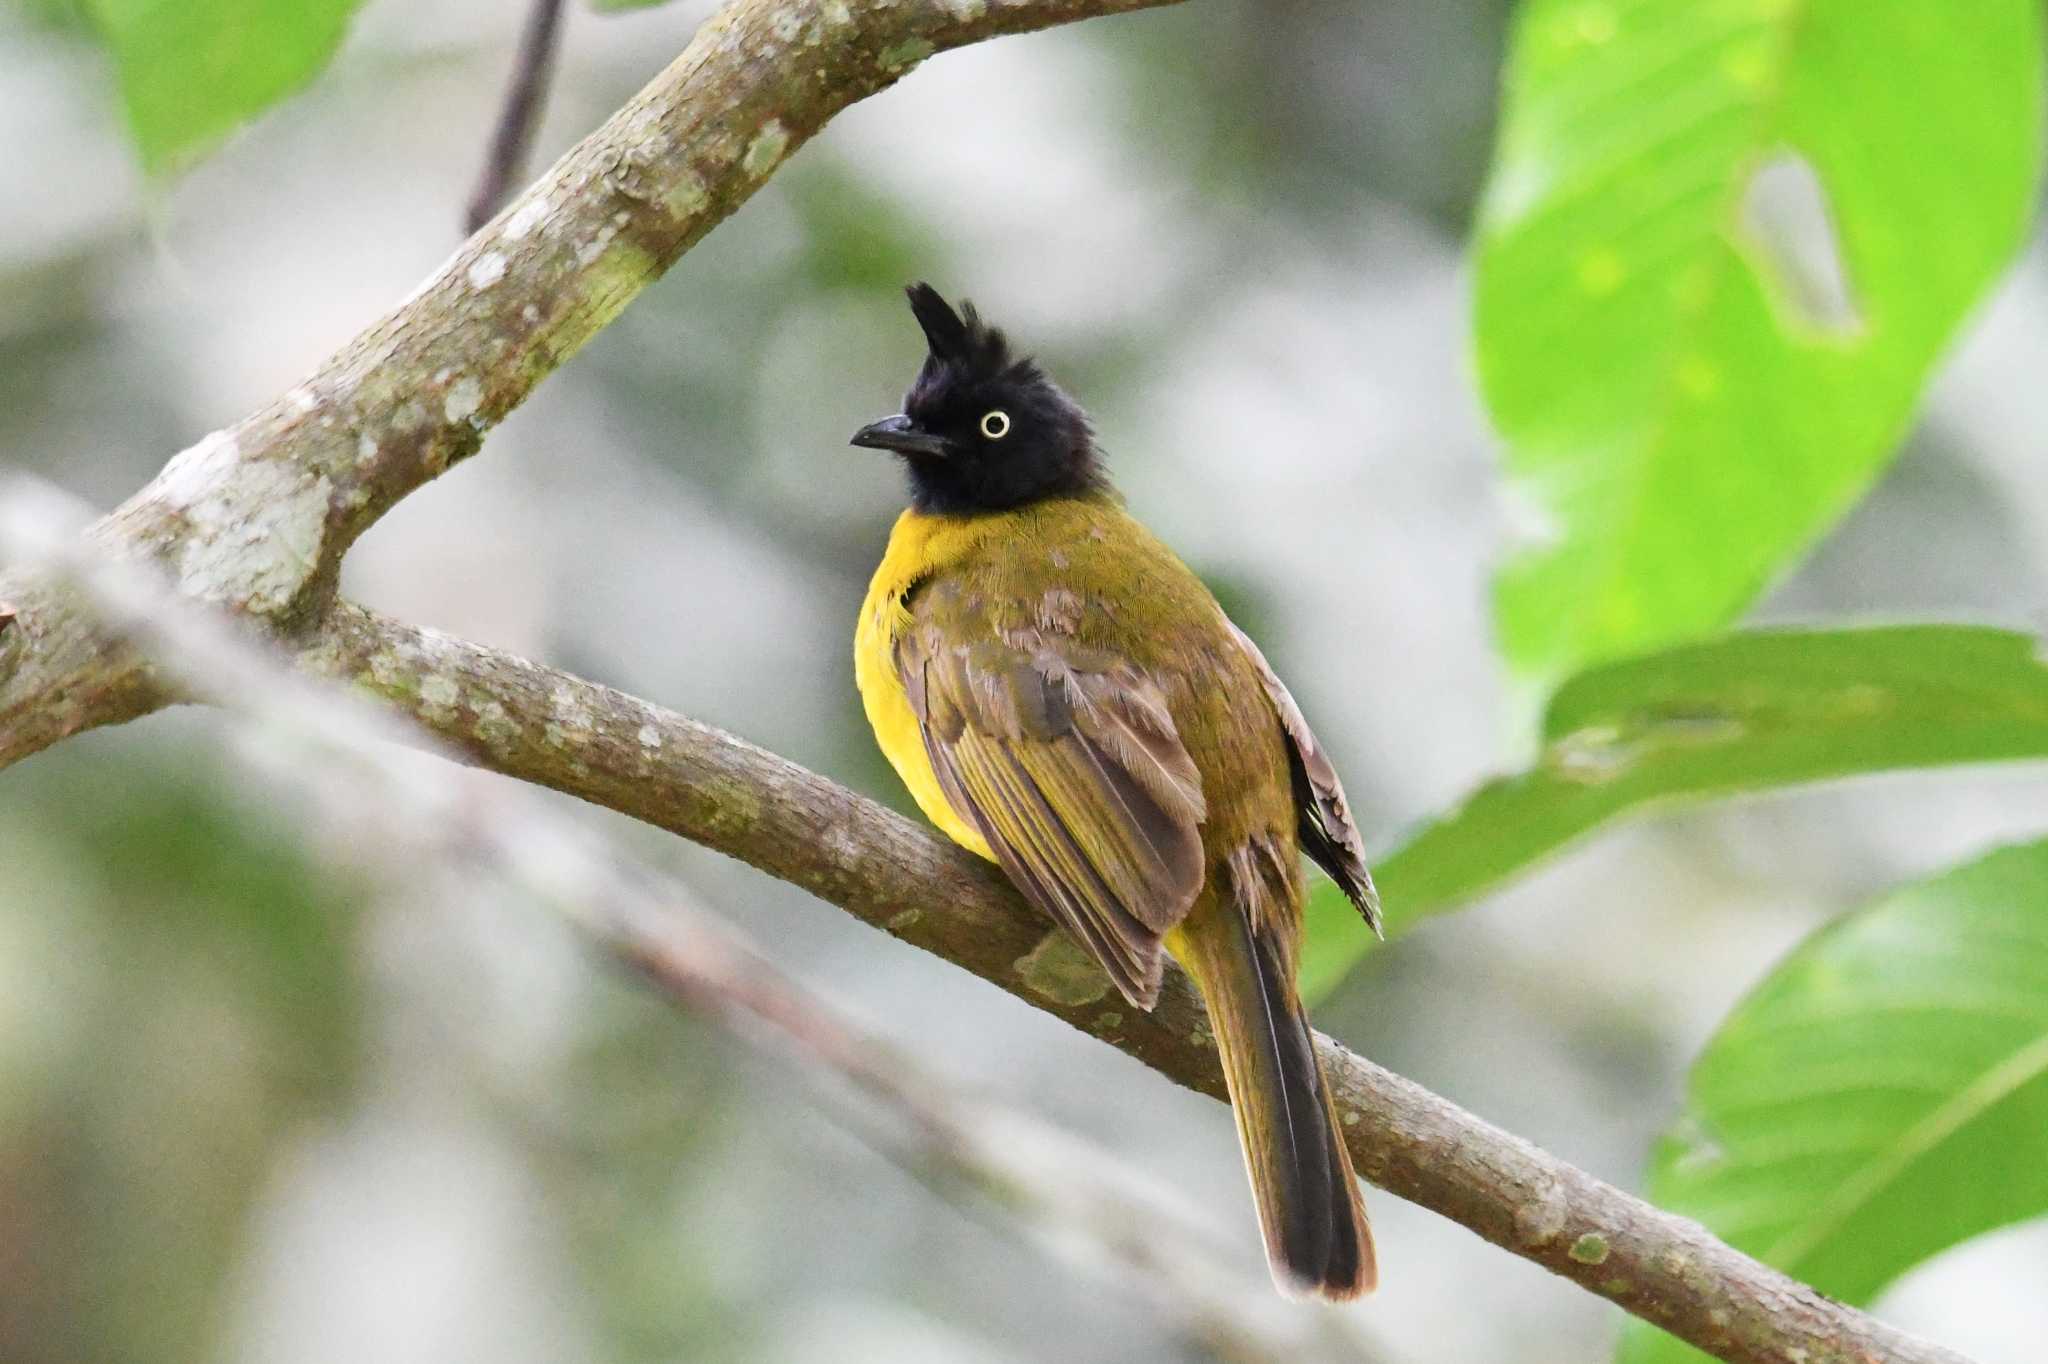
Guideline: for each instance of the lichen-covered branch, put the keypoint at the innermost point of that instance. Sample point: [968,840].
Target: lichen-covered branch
[257,516]
[548,727]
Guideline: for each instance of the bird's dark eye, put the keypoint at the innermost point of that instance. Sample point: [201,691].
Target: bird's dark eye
[996,424]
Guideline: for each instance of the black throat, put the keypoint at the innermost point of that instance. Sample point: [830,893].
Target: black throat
[970,487]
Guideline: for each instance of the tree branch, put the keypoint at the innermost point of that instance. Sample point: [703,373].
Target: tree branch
[258,516]
[545,726]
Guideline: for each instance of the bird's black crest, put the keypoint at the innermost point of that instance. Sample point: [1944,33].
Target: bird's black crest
[961,338]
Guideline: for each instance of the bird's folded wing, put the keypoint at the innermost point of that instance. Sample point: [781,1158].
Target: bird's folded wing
[1067,761]
[1327,833]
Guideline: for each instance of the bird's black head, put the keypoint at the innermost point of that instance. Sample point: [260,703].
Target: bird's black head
[982,430]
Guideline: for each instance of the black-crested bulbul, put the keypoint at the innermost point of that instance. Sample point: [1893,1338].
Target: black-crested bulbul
[1065,698]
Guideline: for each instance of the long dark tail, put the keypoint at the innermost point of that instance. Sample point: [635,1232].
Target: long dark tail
[1318,1242]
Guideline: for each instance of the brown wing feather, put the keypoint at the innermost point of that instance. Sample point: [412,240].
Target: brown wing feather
[1068,763]
[1327,833]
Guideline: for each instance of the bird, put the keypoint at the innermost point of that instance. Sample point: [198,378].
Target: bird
[1065,698]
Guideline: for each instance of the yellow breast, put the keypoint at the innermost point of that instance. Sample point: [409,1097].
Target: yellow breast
[918,547]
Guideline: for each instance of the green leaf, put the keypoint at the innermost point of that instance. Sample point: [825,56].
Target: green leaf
[1681,414]
[1882,1096]
[191,71]
[1747,712]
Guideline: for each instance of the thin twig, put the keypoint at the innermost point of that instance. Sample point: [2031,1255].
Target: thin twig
[526,94]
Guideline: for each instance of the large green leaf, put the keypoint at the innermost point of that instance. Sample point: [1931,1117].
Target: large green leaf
[1882,1096]
[1680,417]
[192,70]
[1747,712]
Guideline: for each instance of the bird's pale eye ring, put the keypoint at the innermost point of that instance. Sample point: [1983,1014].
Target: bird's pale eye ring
[996,424]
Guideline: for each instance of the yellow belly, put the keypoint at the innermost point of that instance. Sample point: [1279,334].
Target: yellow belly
[917,546]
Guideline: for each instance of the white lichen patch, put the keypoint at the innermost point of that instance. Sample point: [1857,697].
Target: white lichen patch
[366,450]
[197,468]
[641,137]
[595,247]
[494,726]
[303,399]
[572,723]
[967,10]
[525,218]
[439,697]
[765,152]
[253,532]
[650,738]
[387,670]
[487,269]
[689,197]
[789,26]
[837,14]
[465,396]
[252,529]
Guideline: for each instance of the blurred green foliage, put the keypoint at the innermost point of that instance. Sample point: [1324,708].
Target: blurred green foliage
[647,1103]
[1686,401]
[191,71]
[856,237]
[1744,713]
[1881,1096]
[219,1012]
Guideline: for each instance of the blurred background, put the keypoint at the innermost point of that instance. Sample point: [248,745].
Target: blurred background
[253,1111]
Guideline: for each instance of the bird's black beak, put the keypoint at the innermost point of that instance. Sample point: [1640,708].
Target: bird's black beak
[898,434]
